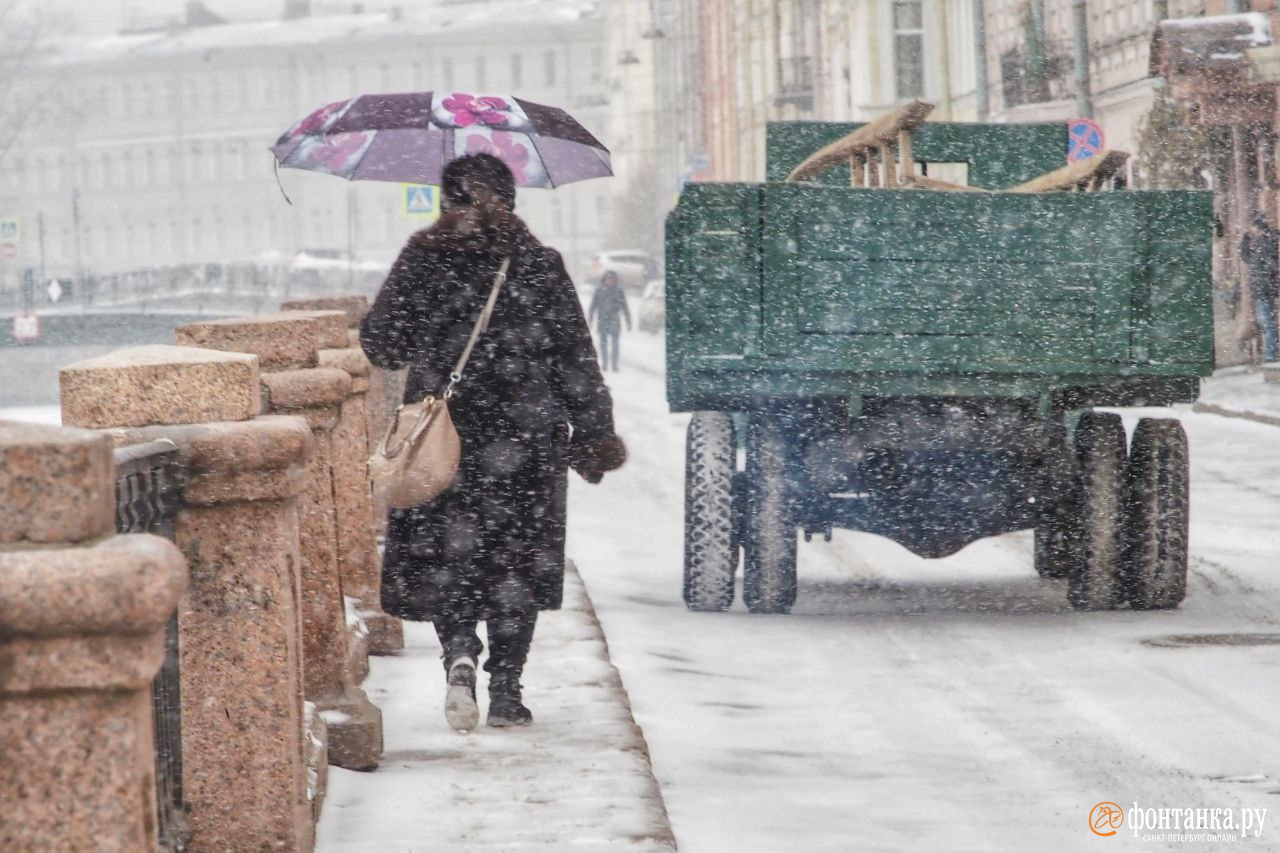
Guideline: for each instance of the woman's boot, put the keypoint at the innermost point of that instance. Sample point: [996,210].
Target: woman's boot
[505,707]
[460,707]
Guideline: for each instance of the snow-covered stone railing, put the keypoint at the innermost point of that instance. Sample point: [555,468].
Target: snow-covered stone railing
[82,617]
[269,420]
[244,762]
[364,413]
[294,384]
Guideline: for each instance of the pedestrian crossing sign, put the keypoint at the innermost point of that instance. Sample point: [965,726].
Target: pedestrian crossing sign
[421,201]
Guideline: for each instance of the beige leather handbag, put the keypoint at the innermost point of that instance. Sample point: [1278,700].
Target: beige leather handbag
[418,456]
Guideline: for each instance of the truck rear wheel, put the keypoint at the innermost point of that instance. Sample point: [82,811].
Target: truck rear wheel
[1094,581]
[1157,515]
[710,549]
[769,560]
[1055,547]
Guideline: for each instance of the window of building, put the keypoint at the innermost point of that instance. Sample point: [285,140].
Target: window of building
[384,77]
[549,68]
[481,82]
[446,72]
[908,48]
[194,155]
[517,71]
[597,64]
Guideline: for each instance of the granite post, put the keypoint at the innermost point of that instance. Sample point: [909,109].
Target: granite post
[386,387]
[292,384]
[82,615]
[358,557]
[245,751]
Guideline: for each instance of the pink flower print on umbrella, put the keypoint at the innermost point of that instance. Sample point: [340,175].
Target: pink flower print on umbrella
[341,153]
[463,110]
[506,148]
[318,120]
[468,110]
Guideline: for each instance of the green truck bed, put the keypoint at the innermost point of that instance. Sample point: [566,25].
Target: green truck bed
[808,290]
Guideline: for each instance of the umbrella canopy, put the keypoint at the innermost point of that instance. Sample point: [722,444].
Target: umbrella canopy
[409,137]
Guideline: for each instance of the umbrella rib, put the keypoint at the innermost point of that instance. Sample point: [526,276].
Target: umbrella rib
[367,149]
[296,145]
[533,141]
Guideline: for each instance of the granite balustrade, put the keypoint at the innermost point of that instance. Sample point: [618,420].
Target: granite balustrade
[82,616]
[251,768]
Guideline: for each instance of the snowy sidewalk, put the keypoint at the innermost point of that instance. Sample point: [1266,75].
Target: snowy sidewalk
[1236,392]
[578,780]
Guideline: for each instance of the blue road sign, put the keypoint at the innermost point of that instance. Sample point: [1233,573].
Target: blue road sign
[421,201]
[1085,139]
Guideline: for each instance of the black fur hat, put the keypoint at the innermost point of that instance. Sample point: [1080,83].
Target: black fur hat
[478,168]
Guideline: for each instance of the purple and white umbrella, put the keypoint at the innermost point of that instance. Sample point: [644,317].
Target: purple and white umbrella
[409,137]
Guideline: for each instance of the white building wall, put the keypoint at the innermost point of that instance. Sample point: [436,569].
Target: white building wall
[163,151]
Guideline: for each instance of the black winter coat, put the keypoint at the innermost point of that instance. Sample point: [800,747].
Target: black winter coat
[609,303]
[494,542]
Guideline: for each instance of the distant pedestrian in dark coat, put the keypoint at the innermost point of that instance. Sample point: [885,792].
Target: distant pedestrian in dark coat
[608,306]
[491,547]
[1259,250]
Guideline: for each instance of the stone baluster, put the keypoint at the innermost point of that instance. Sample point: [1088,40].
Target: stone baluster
[82,615]
[248,763]
[386,387]
[359,561]
[292,384]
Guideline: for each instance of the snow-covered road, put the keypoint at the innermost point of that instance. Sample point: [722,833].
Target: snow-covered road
[955,704]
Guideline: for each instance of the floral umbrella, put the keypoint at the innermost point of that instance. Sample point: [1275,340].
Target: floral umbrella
[409,137]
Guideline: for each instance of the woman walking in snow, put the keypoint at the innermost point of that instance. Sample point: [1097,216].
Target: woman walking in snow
[531,404]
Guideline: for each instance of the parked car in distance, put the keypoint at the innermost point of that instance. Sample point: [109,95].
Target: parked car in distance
[633,267]
[651,313]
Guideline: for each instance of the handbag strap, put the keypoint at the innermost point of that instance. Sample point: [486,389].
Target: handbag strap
[482,325]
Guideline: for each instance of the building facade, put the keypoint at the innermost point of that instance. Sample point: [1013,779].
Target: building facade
[827,60]
[1031,62]
[150,148]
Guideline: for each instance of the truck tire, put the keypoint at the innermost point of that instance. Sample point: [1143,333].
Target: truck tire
[769,558]
[1157,515]
[710,549]
[1094,582]
[1055,547]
